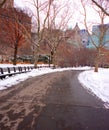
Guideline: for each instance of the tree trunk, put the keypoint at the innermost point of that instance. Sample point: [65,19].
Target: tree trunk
[97,61]
[15,55]
[36,57]
[36,60]
[54,62]
[53,58]
[96,66]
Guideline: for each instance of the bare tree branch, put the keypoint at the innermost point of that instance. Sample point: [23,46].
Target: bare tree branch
[97,36]
[2,3]
[102,9]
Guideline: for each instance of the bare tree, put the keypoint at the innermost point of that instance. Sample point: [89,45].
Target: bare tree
[14,30]
[98,33]
[54,32]
[46,15]
[53,37]
[40,18]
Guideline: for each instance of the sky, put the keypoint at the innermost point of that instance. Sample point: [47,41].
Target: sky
[19,3]
[78,17]
[94,83]
[26,3]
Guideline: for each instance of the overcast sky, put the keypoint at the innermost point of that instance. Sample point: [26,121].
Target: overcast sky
[77,17]
[19,3]
[25,3]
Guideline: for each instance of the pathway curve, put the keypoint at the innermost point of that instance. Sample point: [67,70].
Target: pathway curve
[54,101]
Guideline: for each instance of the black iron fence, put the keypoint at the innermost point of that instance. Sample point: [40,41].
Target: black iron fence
[9,71]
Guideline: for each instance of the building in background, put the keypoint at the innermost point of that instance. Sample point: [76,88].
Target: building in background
[76,37]
[85,37]
[100,36]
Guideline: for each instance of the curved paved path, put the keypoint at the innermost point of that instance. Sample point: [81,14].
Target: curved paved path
[70,107]
[52,102]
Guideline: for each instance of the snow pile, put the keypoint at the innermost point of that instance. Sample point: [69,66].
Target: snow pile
[9,81]
[97,83]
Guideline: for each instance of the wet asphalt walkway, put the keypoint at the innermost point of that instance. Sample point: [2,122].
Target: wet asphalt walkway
[70,107]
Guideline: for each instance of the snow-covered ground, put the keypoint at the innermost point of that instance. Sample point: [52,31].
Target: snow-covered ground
[97,83]
[8,82]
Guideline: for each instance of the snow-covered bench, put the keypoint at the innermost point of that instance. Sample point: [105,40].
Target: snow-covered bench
[9,71]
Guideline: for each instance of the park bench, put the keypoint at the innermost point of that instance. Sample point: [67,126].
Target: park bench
[9,71]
